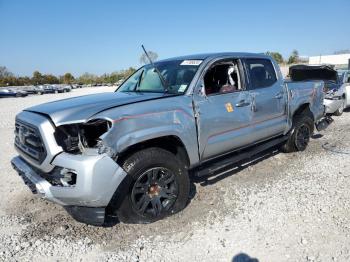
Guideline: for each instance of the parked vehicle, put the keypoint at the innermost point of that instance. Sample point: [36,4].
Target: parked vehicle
[62,88]
[335,98]
[129,153]
[7,92]
[74,86]
[344,78]
[29,89]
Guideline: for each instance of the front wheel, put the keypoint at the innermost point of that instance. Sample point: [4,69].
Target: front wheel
[159,186]
[340,110]
[303,127]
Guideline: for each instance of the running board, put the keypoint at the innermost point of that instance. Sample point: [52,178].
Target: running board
[224,162]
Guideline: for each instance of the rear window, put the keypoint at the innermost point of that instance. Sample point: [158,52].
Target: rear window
[261,73]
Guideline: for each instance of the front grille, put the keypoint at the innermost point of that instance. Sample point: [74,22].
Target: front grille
[28,140]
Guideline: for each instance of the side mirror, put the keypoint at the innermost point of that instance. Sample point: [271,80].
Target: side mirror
[201,89]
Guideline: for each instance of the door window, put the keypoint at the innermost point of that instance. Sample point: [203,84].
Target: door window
[261,73]
[222,77]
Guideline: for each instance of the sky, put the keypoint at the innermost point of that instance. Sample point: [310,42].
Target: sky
[104,36]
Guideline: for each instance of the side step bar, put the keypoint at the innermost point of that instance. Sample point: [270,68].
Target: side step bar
[216,165]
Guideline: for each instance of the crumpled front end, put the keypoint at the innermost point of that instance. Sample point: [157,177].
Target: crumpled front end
[64,171]
[333,101]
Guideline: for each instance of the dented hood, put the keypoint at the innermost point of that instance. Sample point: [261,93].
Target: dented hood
[80,109]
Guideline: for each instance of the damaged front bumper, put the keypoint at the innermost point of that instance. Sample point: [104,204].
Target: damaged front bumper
[332,104]
[96,179]
[323,123]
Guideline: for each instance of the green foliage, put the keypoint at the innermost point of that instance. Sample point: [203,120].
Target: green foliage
[277,56]
[9,79]
[112,78]
[68,78]
[294,57]
[4,72]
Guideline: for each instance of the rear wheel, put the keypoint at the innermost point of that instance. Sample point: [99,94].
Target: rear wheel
[159,186]
[340,110]
[303,127]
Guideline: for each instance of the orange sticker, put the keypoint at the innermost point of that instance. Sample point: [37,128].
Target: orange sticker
[229,107]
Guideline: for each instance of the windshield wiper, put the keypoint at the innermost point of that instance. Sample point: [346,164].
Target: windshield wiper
[162,79]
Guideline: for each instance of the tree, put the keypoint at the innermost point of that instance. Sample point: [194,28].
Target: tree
[68,78]
[4,72]
[50,79]
[37,78]
[87,78]
[144,60]
[277,56]
[294,57]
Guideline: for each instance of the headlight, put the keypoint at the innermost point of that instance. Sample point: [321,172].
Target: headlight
[75,137]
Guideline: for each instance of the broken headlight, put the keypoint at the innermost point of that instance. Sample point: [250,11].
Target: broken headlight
[75,138]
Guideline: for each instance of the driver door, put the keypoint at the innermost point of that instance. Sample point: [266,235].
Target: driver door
[223,120]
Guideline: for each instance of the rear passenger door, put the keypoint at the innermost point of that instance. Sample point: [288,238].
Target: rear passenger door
[268,96]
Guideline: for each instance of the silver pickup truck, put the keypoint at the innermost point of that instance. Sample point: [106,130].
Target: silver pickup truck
[130,152]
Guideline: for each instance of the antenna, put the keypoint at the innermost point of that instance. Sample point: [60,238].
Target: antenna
[165,85]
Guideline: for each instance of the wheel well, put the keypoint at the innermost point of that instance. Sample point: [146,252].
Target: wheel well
[173,144]
[303,109]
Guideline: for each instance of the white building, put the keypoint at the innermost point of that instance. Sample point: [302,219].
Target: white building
[339,61]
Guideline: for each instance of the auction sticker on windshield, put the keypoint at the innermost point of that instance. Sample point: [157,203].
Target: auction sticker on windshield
[182,88]
[191,62]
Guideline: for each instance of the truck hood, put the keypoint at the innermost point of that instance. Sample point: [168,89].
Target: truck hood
[80,109]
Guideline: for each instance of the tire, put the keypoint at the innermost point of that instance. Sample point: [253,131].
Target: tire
[159,186]
[303,127]
[340,110]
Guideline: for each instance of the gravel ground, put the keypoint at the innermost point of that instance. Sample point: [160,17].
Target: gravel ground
[281,207]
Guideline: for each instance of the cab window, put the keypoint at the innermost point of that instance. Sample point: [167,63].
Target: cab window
[261,73]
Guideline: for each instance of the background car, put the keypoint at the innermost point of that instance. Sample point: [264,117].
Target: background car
[335,97]
[6,92]
[62,88]
[344,79]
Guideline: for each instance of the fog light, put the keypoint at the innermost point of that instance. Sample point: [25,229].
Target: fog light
[68,177]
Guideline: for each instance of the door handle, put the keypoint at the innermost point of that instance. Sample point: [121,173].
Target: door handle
[242,103]
[279,95]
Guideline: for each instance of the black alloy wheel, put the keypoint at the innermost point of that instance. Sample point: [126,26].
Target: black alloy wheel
[154,192]
[303,135]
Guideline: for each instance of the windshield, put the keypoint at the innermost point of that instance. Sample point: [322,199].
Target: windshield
[177,74]
[340,75]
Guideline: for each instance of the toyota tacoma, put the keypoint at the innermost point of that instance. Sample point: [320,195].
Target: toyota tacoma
[129,153]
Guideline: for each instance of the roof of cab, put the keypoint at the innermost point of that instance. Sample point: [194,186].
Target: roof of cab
[215,55]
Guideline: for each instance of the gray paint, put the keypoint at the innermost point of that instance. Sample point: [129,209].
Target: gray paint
[139,117]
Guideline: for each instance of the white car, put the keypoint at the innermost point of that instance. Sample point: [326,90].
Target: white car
[344,79]
[335,99]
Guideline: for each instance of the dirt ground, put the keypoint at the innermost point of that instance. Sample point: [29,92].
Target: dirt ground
[280,207]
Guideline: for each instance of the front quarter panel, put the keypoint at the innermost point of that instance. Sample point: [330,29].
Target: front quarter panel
[139,122]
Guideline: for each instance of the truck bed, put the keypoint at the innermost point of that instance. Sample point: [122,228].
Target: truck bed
[306,92]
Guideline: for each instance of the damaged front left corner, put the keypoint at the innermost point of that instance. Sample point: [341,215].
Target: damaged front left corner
[77,138]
